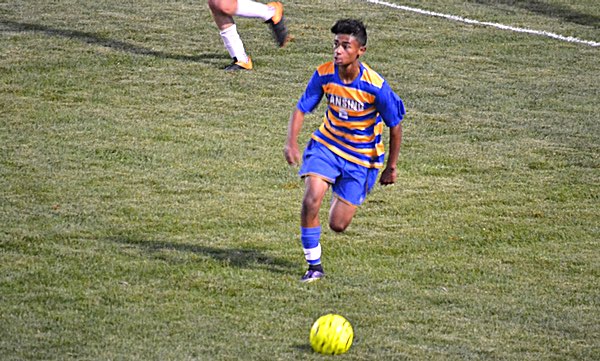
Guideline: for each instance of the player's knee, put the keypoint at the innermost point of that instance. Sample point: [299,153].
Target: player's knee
[337,226]
[311,203]
[222,6]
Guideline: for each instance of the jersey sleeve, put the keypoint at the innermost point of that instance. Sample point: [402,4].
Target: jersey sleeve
[390,106]
[312,95]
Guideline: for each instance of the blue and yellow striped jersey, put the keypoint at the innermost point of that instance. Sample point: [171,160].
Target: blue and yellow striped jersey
[356,112]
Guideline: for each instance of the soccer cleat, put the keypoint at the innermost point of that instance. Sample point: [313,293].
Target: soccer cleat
[312,275]
[277,24]
[238,65]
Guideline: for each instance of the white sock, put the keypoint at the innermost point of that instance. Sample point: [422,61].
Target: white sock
[313,255]
[233,43]
[253,9]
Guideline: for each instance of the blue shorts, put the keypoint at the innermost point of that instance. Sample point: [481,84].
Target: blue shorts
[349,181]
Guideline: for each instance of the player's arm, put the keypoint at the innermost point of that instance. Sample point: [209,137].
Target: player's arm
[391,108]
[389,174]
[291,150]
[307,103]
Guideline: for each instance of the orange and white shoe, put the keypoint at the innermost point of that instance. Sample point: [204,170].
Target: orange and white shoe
[239,65]
[277,24]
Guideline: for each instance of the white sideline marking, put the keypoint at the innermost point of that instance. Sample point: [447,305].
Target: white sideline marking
[485,23]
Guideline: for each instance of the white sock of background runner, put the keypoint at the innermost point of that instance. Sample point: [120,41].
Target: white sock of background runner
[253,9]
[233,43]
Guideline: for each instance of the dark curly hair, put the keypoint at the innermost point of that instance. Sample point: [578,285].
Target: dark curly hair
[352,27]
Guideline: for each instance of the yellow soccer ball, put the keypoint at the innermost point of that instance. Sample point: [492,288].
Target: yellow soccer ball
[331,335]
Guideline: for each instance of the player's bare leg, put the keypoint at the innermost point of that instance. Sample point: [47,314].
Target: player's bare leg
[225,6]
[314,193]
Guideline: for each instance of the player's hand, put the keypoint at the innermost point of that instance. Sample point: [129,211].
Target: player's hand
[388,176]
[292,154]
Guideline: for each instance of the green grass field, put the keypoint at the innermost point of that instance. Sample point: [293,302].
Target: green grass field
[147,211]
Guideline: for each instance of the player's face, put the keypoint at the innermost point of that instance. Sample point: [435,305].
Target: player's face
[346,49]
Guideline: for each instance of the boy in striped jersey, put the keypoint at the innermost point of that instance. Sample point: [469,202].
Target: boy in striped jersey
[346,152]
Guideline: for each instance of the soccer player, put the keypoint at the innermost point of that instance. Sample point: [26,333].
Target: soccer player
[223,12]
[346,152]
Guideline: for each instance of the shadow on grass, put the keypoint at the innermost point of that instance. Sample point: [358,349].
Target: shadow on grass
[549,10]
[236,257]
[304,348]
[95,39]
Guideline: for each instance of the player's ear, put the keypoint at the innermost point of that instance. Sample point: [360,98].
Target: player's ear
[361,51]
